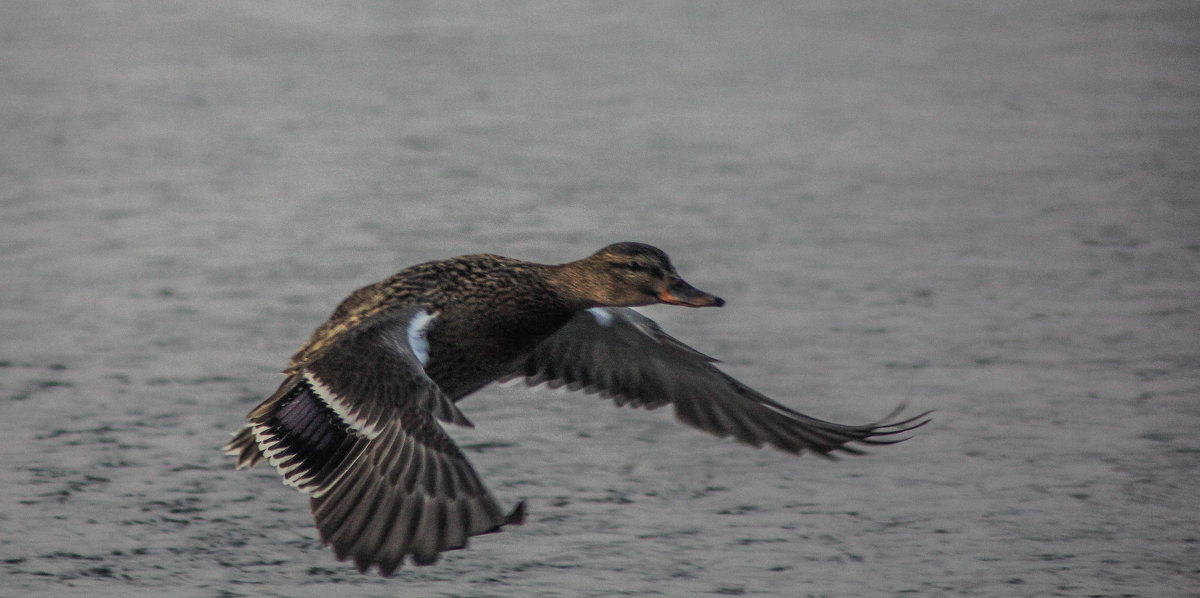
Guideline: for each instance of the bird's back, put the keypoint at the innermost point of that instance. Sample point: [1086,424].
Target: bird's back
[490,313]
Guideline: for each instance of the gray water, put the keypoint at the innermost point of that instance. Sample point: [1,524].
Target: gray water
[987,209]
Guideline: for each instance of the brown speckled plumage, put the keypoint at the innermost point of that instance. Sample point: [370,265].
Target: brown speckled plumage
[356,422]
[491,310]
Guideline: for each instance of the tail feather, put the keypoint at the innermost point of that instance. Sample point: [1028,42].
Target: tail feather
[244,446]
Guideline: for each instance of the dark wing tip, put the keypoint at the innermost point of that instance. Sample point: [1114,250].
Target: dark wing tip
[902,426]
[516,516]
[388,567]
[878,430]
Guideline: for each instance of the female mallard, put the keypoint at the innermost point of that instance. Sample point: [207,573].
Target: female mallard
[355,424]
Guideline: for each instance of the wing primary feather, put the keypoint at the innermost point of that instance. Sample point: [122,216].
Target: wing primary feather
[628,358]
[425,544]
[391,552]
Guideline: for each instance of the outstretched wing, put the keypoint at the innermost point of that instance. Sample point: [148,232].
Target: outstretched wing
[409,492]
[626,356]
[355,426]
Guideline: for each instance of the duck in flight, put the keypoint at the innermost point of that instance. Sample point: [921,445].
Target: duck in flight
[358,422]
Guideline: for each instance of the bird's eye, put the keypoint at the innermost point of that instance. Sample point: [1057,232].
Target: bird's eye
[634,267]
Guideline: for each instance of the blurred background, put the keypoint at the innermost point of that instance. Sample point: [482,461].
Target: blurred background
[990,210]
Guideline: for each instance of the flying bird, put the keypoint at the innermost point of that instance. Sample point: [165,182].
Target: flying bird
[358,423]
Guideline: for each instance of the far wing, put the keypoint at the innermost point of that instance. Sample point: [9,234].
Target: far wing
[626,356]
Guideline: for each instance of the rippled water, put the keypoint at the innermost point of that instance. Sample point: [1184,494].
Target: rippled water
[990,210]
